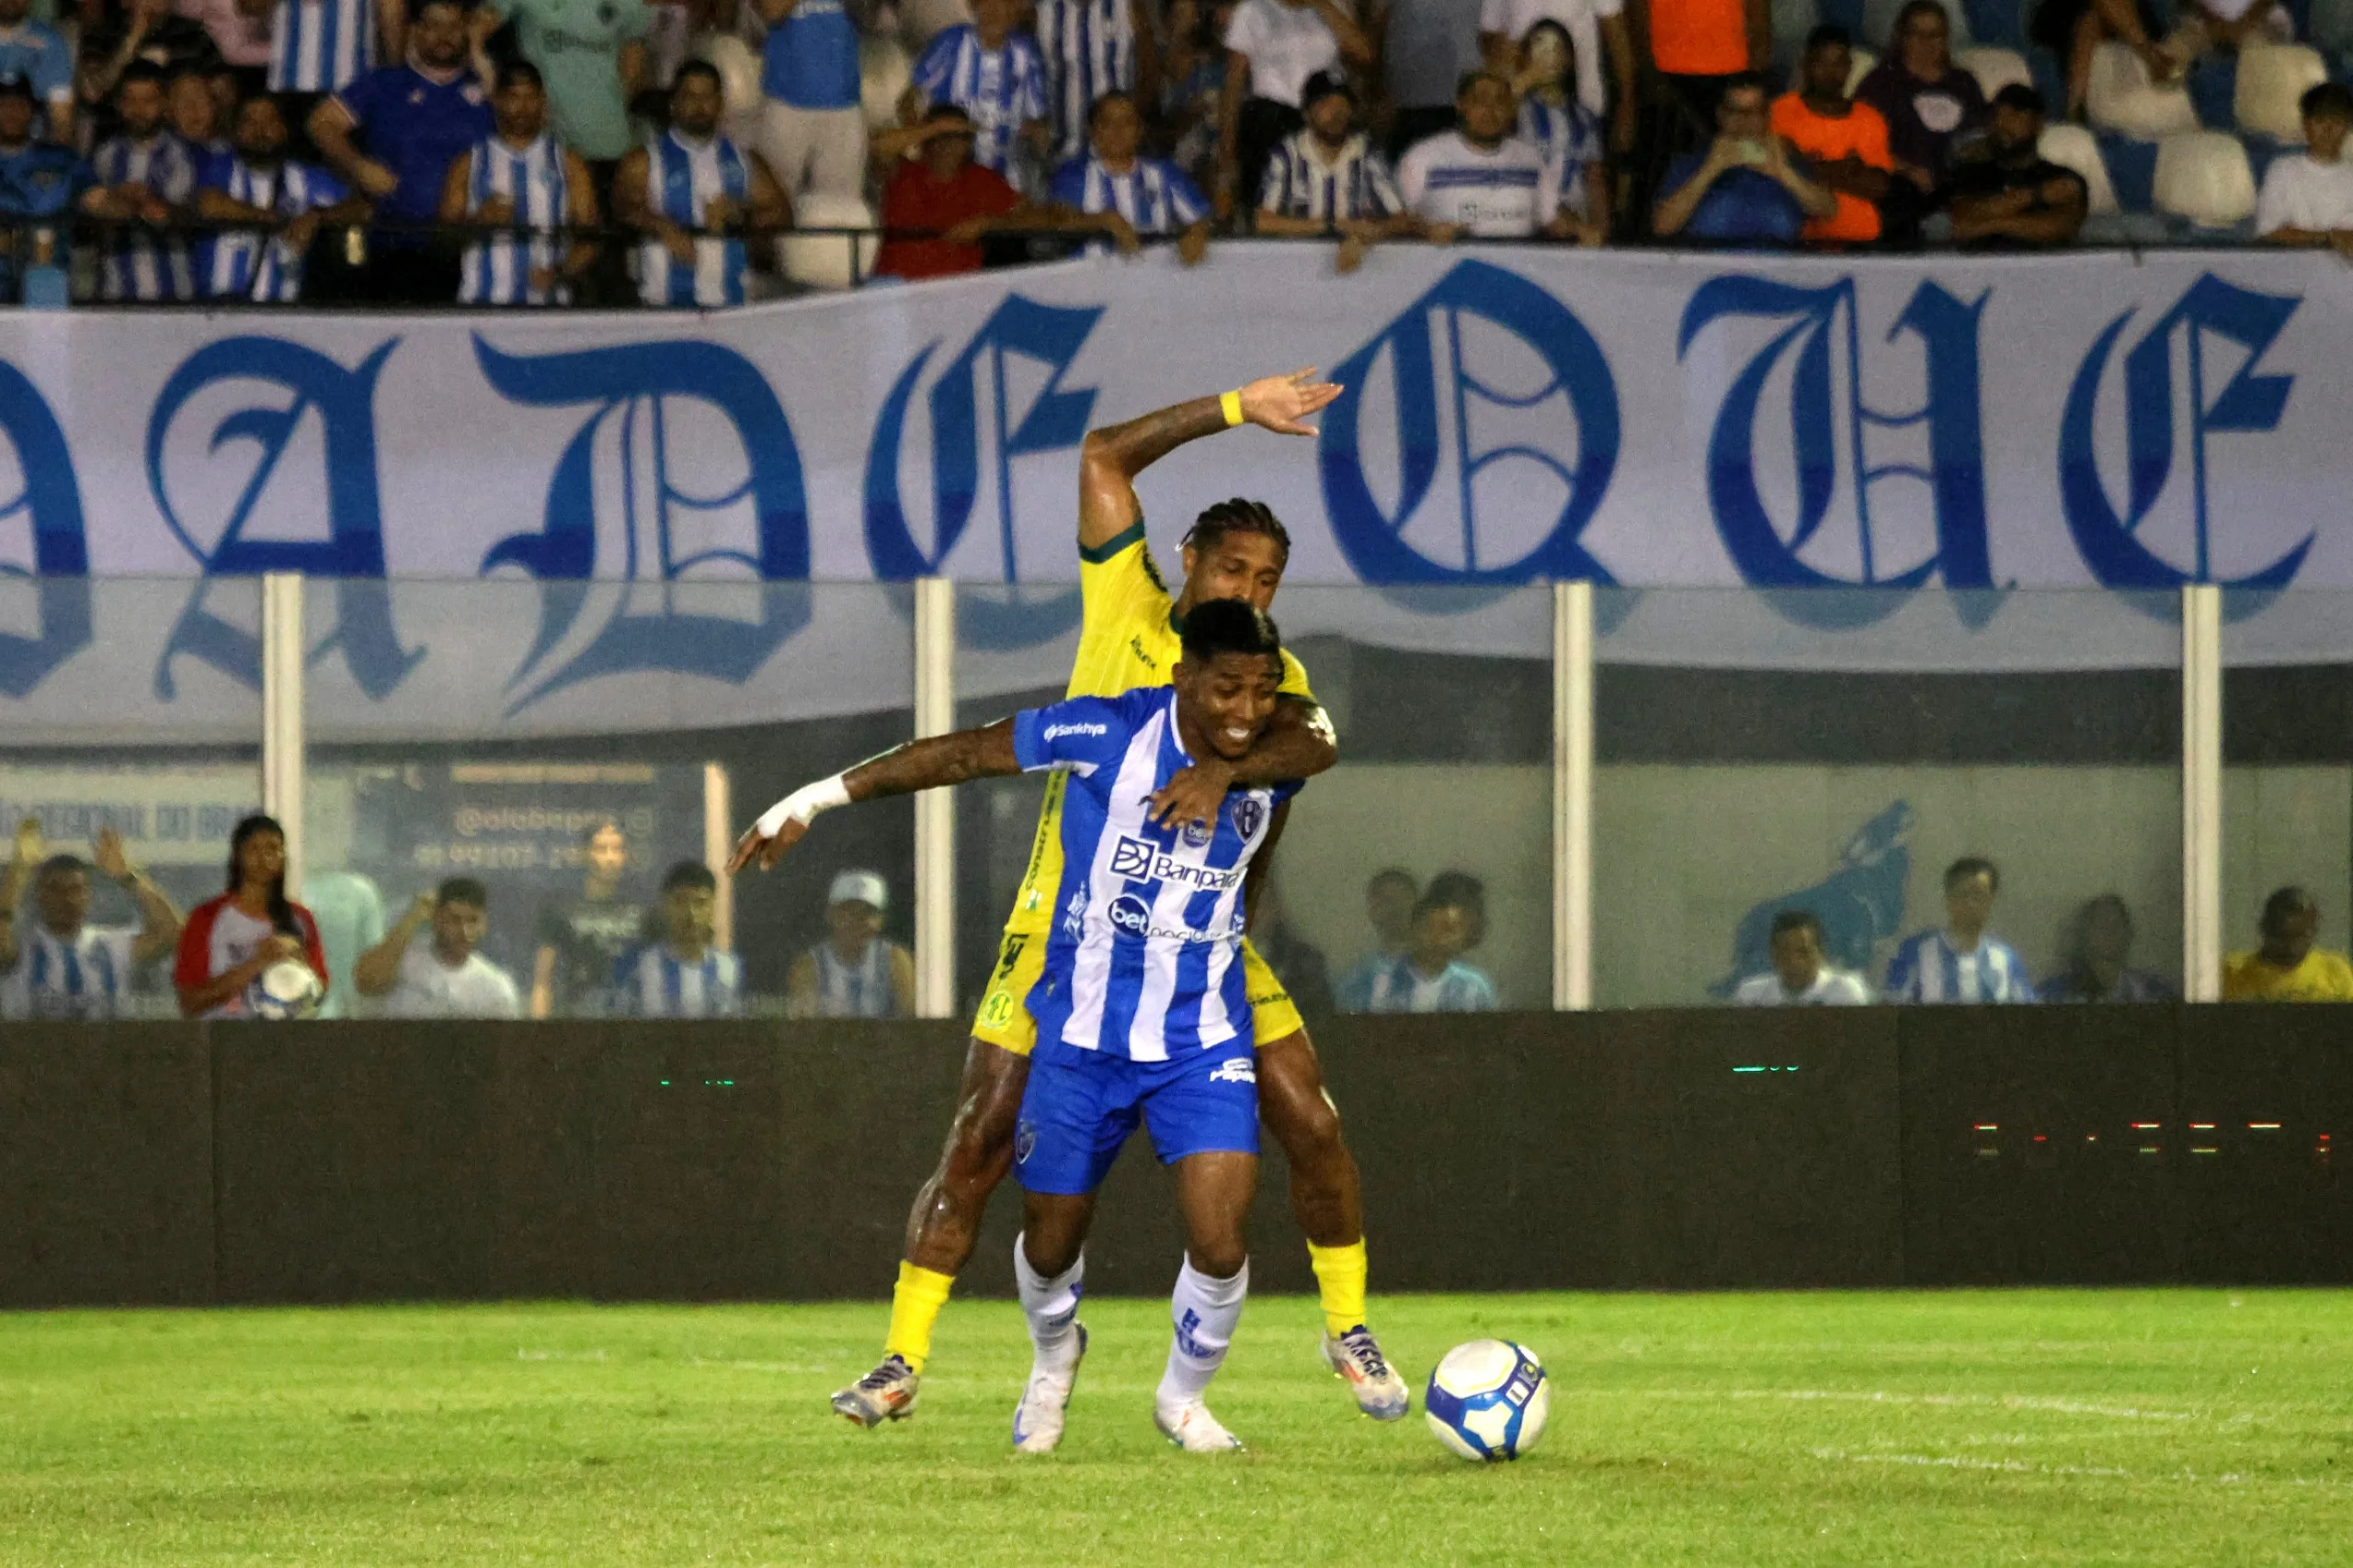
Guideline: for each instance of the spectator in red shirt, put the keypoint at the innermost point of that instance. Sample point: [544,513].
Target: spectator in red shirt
[940,190]
[228,940]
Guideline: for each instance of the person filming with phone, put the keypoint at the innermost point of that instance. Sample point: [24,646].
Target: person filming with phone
[1749,188]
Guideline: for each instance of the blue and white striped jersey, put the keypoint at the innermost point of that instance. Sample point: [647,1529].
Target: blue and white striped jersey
[260,266]
[1352,184]
[1002,89]
[1928,968]
[536,179]
[84,978]
[650,984]
[1399,987]
[681,176]
[320,46]
[1155,196]
[1090,49]
[139,266]
[1144,958]
[861,990]
[1570,138]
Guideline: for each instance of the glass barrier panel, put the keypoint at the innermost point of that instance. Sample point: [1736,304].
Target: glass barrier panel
[1838,751]
[133,711]
[574,746]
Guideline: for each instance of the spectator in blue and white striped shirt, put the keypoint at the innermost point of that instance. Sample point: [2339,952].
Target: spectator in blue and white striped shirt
[323,46]
[144,176]
[997,77]
[1429,976]
[693,178]
[683,975]
[1135,195]
[1091,47]
[1556,124]
[260,186]
[1962,963]
[65,967]
[521,178]
[1326,178]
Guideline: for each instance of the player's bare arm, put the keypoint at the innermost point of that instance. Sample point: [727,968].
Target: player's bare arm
[1298,743]
[1113,456]
[928,763]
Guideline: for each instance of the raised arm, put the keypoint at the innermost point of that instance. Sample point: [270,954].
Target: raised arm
[927,764]
[1113,456]
[159,920]
[378,969]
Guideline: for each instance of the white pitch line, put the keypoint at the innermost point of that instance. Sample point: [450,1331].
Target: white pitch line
[2021,1467]
[559,1355]
[1881,1396]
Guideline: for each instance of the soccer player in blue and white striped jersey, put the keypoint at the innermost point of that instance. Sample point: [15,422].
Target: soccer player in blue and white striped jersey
[1091,47]
[1143,1012]
[683,975]
[322,46]
[693,178]
[142,176]
[997,77]
[260,186]
[63,967]
[1962,963]
[1148,196]
[521,178]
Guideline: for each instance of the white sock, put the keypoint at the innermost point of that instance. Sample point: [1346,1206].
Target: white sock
[1052,1305]
[1205,1311]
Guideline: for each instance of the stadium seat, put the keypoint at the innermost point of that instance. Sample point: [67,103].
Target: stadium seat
[883,73]
[2272,77]
[1879,23]
[1995,68]
[2120,98]
[829,261]
[2204,177]
[2131,168]
[2071,147]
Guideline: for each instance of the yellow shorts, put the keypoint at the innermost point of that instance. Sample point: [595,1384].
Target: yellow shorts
[1004,1018]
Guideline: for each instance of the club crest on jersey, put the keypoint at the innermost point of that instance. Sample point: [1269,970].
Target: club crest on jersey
[1249,816]
[1235,1070]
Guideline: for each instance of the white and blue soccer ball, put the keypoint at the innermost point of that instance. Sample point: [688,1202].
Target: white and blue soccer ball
[1488,1400]
[287,989]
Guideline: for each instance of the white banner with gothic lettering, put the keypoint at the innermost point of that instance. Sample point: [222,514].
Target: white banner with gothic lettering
[637,519]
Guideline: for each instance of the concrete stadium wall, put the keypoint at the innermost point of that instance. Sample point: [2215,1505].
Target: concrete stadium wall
[178,1165]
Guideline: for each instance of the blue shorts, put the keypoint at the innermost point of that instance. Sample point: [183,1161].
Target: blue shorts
[1082,1105]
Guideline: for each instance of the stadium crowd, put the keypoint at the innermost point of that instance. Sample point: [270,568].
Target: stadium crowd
[541,151]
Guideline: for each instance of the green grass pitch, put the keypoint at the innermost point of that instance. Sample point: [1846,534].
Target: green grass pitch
[2062,1428]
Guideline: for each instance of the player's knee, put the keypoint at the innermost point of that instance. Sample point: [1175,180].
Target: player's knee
[1219,1258]
[1308,1129]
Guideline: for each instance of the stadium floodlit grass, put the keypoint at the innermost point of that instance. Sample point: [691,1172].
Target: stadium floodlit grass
[2070,1427]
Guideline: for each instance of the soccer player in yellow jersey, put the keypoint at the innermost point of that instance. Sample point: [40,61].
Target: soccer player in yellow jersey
[1235,550]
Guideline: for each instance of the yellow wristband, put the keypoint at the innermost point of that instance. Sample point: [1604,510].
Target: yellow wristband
[1231,404]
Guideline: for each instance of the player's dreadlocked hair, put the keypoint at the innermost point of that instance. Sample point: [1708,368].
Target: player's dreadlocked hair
[1238,515]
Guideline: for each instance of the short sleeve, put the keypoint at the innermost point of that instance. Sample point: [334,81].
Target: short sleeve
[1185,196]
[510,1000]
[313,949]
[1295,679]
[359,97]
[192,964]
[1411,174]
[1382,186]
[1274,185]
[1789,116]
[1246,31]
[1870,137]
[1076,736]
[2275,206]
[326,189]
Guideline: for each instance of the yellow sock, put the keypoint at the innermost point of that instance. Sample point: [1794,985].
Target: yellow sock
[1339,1279]
[915,1306]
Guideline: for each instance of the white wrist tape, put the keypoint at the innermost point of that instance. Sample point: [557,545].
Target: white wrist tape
[802,805]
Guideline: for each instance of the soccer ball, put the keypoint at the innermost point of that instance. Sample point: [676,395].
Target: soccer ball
[1488,1400]
[287,989]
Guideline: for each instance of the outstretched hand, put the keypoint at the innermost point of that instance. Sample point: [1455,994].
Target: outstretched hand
[1280,402]
[766,849]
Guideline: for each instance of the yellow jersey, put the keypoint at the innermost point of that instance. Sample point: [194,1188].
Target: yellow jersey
[2322,977]
[1126,638]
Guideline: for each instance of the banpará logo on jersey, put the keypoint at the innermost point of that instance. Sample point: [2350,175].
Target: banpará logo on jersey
[1056,732]
[1139,861]
[1235,1070]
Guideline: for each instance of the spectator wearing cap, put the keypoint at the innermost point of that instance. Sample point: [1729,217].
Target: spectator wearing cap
[63,967]
[2010,197]
[392,136]
[939,204]
[2288,967]
[855,972]
[1273,47]
[2307,197]
[38,179]
[1799,977]
[284,202]
[1133,194]
[521,178]
[1750,188]
[681,974]
[694,178]
[36,53]
[447,977]
[1558,125]
[1091,47]
[1480,179]
[1845,142]
[995,74]
[813,130]
[1326,178]
[146,176]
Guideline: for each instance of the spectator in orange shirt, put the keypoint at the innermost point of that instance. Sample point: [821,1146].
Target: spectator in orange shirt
[1844,140]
